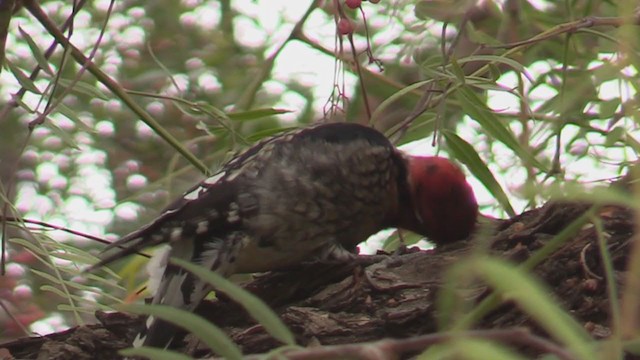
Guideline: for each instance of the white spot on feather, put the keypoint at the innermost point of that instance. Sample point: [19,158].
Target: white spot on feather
[170,211]
[213,179]
[156,267]
[233,215]
[203,227]
[139,340]
[175,234]
[193,195]
[150,321]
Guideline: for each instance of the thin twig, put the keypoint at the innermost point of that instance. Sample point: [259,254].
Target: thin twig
[393,348]
[569,27]
[60,228]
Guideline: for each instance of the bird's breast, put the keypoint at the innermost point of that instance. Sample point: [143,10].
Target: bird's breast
[256,257]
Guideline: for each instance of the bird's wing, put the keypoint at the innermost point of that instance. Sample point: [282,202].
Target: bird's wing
[202,210]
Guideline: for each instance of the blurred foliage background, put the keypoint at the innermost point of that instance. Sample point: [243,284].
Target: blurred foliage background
[526,94]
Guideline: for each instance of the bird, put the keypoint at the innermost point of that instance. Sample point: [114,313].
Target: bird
[313,193]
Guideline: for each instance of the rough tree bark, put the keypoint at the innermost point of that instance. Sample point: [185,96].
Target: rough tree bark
[383,296]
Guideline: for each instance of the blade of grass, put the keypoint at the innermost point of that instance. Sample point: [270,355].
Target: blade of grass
[254,306]
[464,152]
[210,334]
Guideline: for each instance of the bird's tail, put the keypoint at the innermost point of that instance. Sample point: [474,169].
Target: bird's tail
[129,244]
[178,289]
[157,332]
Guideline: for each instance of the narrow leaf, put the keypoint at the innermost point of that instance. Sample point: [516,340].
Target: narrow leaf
[254,306]
[464,152]
[533,298]
[67,138]
[73,116]
[54,290]
[261,134]
[38,253]
[478,111]
[83,88]
[400,93]
[35,50]
[499,60]
[22,78]
[35,249]
[256,114]
[88,310]
[210,334]
[48,277]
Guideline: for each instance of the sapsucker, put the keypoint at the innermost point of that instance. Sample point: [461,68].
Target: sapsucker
[308,194]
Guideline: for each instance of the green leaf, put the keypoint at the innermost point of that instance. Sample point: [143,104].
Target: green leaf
[83,88]
[35,50]
[574,191]
[466,154]
[498,60]
[54,290]
[83,256]
[67,138]
[256,114]
[477,110]
[456,69]
[614,135]
[534,298]
[210,334]
[254,306]
[485,84]
[72,284]
[400,93]
[35,249]
[73,116]
[259,135]
[558,240]
[154,353]
[480,37]
[46,276]
[71,257]
[208,109]
[608,108]
[440,10]
[106,282]
[420,126]
[89,310]
[22,78]
[614,346]
[393,241]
